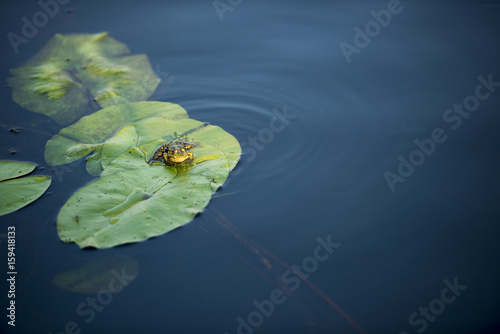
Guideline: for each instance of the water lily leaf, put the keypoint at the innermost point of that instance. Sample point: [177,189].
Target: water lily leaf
[133,201]
[13,169]
[16,193]
[73,71]
[90,132]
[106,273]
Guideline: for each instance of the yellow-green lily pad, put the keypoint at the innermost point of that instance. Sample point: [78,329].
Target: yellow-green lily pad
[16,192]
[73,71]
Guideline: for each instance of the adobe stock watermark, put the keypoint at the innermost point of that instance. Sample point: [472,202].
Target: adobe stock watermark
[454,117]
[223,6]
[29,29]
[372,29]
[436,306]
[95,304]
[292,279]
[258,142]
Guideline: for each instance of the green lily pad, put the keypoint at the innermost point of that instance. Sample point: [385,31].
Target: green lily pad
[16,193]
[138,202]
[73,71]
[13,169]
[108,273]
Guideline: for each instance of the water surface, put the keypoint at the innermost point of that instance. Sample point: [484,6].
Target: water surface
[319,173]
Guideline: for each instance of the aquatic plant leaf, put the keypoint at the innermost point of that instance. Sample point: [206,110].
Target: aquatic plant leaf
[13,169]
[99,274]
[90,132]
[72,71]
[133,201]
[16,193]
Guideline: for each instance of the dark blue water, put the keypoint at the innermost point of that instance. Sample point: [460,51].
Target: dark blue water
[317,171]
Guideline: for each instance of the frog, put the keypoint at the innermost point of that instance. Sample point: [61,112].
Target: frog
[175,153]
